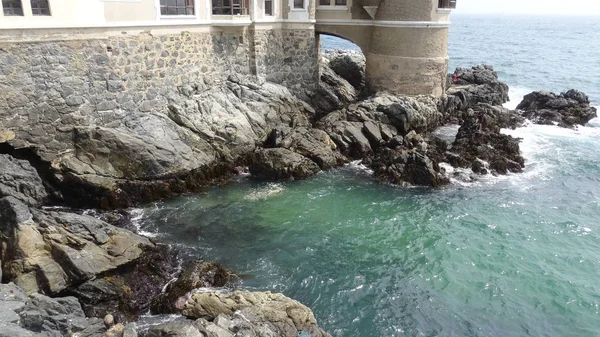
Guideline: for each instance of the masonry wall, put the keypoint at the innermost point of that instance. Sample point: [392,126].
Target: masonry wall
[48,86]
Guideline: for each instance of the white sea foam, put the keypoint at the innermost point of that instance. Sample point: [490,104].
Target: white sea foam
[263,193]
[516,95]
[137,215]
[357,165]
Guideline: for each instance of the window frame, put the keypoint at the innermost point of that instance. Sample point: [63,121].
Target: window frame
[12,9]
[446,4]
[302,7]
[186,6]
[340,3]
[40,9]
[271,7]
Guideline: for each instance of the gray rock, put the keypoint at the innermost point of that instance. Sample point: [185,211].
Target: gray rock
[21,181]
[50,251]
[243,313]
[312,143]
[349,65]
[567,109]
[280,163]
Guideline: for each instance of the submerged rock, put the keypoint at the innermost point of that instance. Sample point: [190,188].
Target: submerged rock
[567,109]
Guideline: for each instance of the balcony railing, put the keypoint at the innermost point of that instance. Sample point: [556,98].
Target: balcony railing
[447,4]
[231,7]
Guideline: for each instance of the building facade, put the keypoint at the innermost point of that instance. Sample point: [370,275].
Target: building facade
[404,41]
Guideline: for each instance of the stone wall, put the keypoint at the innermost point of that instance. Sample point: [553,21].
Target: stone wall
[47,87]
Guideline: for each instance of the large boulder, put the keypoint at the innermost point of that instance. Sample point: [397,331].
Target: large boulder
[333,92]
[50,251]
[280,163]
[567,109]
[272,314]
[20,180]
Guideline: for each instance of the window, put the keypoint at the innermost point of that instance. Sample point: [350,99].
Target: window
[340,2]
[268,7]
[298,3]
[324,2]
[12,7]
[447,4]
[40,7]
[177,7]
[233,7]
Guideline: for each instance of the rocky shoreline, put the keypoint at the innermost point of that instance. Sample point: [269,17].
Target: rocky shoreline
[66,272]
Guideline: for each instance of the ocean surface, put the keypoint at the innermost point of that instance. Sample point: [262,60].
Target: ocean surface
[516,255]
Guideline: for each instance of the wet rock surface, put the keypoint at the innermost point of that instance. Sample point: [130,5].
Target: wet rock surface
[566,109]
[194,275]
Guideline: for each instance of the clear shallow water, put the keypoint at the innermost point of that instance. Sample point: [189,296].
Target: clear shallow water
[505,256]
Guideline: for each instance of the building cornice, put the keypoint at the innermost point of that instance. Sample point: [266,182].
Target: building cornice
[381,23]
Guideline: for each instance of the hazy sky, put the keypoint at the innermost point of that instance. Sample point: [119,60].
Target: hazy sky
[567,7]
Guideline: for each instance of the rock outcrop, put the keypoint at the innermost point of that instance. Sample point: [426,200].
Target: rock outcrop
[251,313]
[194,275]
[280,163]
[18,179]
[475,85]
[39,315]
[567,109]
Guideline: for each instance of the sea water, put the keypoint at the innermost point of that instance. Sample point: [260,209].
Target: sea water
[515,255]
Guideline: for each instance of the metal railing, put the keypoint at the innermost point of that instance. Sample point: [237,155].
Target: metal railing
[447,4]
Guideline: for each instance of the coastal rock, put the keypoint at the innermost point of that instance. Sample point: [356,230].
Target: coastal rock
[479,145]
[194,135]
[280,163]
[406,167]
[334,92]
[350,65]
[129,291]
[475,85]
[567,109]
[362,128]
[40,315]
[198,274]
[50,251]
[20,180]
[273,314]
[312,143]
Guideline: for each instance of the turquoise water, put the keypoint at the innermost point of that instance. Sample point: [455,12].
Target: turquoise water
[504,256]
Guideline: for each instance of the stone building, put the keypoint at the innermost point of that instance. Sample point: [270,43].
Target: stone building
[140,42]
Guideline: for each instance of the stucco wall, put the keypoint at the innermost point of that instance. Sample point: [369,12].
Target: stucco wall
[63,12]
[405,10]
[145,10]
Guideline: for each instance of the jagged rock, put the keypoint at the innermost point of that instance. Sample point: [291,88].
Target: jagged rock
[475,85]
[567,109]
[40,315]
[349,65]
[49,251]
[198,274]
[129,291]
[255,313]
[406,167]
[280,163]
[333,92]
[118,159]
[20,180]
[479,140]
[312,143]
